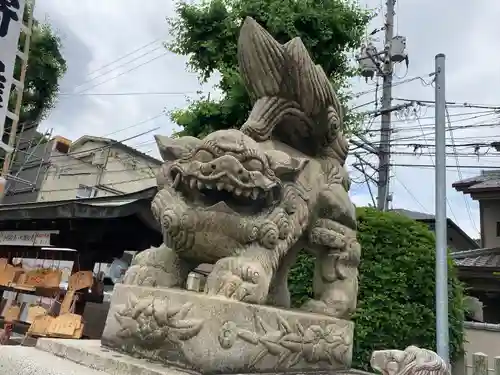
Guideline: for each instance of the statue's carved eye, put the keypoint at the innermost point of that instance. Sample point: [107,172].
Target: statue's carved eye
[253,165]
[203,156]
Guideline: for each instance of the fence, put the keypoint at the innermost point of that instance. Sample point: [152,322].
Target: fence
[482,365]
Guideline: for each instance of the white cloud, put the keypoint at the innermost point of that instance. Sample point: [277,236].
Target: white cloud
[96,32]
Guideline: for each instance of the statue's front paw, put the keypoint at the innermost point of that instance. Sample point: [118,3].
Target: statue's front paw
[240,279]
[336,310]
[149,276]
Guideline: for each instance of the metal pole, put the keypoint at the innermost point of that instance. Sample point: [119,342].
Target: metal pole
[385,129]
[442,329]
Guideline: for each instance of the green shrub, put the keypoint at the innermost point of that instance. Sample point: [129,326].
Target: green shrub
[396,301]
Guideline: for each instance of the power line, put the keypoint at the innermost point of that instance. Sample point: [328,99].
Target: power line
[408,80]
[115,68]
[450,103]
[411,194]
[459,171]
[123,73]
[448,166]
[130,93]
[136,124]
[91,186]
[124,56]
[447,201]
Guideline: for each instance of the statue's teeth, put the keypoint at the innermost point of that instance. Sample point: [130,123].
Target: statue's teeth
[192,183]
[246,193]
[229,188]
[209,186]
[237,191]
[220,185]
[200,184]
[255,193]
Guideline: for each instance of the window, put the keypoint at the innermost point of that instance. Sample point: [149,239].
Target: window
[498,228]
[85,191]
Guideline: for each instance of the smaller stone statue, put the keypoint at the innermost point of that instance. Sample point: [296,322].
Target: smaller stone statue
[411,361]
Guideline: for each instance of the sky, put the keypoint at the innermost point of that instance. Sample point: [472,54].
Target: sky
[114,53]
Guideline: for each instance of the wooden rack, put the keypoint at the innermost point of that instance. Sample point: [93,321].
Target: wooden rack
[43,283]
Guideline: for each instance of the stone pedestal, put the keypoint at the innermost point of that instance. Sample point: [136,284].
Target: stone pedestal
[216,335]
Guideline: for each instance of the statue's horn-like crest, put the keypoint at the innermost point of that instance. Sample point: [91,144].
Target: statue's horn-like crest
[293,98]
[260,59]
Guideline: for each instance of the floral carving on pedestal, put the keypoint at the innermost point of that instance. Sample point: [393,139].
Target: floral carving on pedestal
[292,343]
[152,322]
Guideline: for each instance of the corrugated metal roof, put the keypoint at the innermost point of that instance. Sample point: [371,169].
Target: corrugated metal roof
[492,260]
[489,257]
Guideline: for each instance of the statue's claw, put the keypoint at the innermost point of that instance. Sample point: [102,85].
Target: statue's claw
[320,307]
[239,278]
[156,267]
[147,276]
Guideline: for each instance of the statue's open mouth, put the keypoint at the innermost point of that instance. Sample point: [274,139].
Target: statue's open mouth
[224,194]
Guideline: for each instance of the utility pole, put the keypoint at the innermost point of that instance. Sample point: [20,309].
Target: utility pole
[442,326]
[385,130]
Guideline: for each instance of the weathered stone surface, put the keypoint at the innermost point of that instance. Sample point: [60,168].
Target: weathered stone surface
[21,360]
[93,356]
[411,361]
[248,200]
[88,357]
[219,335]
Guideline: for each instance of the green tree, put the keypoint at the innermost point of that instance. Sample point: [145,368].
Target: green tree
[208,33]
[46,66]
[396,305]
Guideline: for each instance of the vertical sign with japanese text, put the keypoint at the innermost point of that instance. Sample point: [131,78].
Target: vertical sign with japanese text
[11,18]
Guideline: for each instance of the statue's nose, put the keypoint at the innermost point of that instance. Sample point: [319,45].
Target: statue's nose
[228,164]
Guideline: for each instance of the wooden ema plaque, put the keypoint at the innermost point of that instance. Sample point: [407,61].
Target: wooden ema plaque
[35,311]
[43,278]
[39,325]
[12,314]
[9,274]
[66,326]
[77,281]
[81,280]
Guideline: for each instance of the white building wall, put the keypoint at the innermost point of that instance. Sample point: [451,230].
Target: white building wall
[122,173]
[128,173]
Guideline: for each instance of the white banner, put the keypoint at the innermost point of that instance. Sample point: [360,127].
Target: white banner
[11,19]
[26,237]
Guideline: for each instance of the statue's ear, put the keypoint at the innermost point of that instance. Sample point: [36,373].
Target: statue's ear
[175,148]
[285,165]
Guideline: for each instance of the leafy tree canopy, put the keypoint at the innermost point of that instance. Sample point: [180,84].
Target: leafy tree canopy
[396,305]
[46,66]
[208,32]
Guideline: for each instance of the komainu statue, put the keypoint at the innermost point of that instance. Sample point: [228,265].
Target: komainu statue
[411,361]
[247,201]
